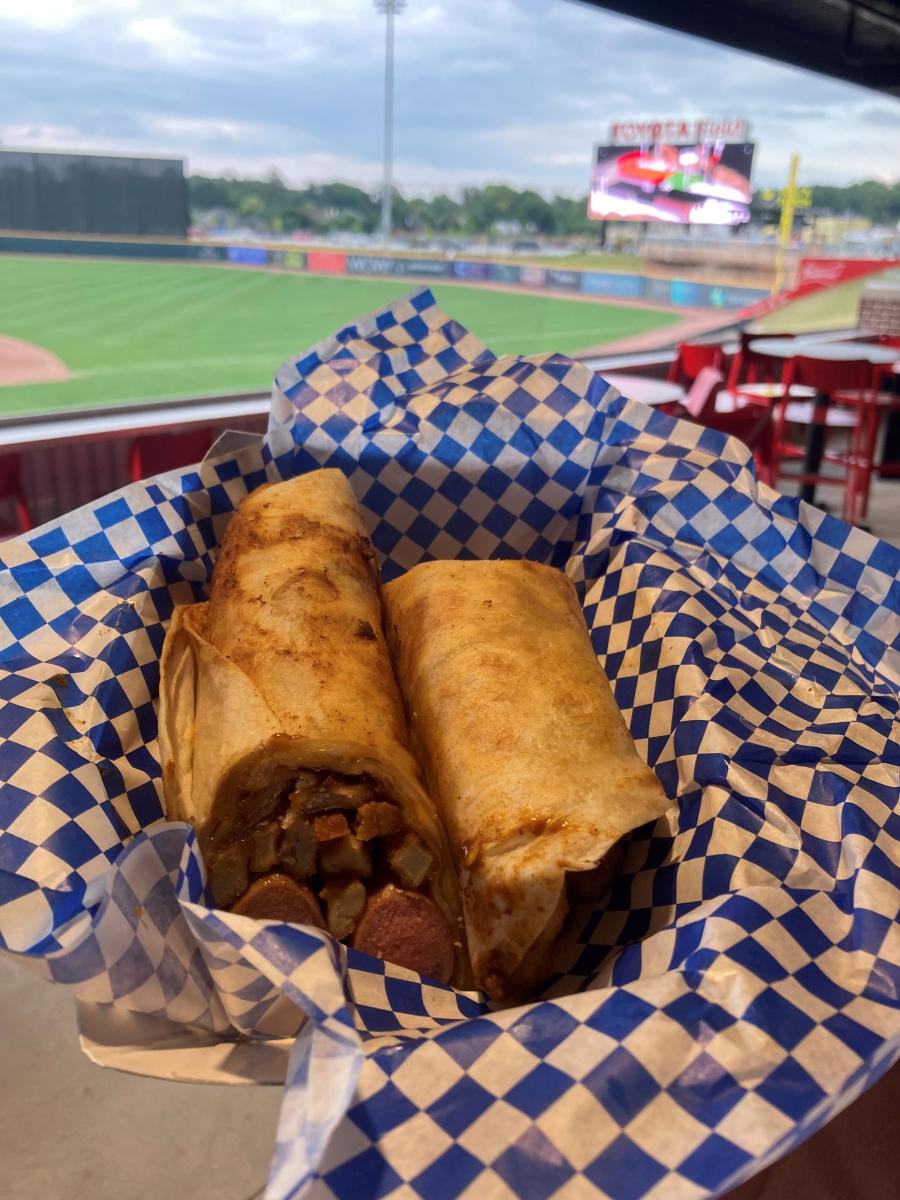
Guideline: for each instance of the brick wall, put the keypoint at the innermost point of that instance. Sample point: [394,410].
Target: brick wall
[879,311]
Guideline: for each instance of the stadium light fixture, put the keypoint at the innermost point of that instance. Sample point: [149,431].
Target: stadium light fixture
[390,8]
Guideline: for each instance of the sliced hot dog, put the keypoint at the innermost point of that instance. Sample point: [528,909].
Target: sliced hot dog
[279,898]
[408,929]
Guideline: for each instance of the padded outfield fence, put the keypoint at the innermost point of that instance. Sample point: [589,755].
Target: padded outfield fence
[679,293]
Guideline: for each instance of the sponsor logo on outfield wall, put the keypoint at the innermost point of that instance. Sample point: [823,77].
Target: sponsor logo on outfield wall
[658,289]
[471,270]
[557,278]
[369,264]
[687,294]
[377,264]
[733,297]
[329,262]
[422,266]
[250,255]
[532,276]
[604,283]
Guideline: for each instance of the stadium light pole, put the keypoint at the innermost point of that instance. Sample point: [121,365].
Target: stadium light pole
[390,8]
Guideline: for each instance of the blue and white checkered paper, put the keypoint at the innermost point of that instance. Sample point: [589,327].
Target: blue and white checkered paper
[740,987]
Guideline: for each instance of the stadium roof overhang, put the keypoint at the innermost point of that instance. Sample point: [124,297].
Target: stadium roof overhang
[855,40]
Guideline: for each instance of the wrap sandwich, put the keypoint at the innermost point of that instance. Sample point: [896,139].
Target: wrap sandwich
[283,739]
[534,773]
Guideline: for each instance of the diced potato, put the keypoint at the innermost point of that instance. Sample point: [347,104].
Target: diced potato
[228,873]
[332,825]
[352,792]
[345,856]
[297,851]
[345,900]
[264,847]
[378,819]
[410,859]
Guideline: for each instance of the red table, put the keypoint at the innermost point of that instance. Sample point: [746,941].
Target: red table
[787,348]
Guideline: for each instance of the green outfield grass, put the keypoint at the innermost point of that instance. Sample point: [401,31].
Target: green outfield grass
[133,331]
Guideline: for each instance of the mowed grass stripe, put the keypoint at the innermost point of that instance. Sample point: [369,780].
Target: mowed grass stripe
[79,309]
[129,306]
[87,297]
[211,297]
[157,307]
[132,330]
[51,290]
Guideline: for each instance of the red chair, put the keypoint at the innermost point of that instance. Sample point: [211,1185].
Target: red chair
[747,366]
[871,407]
[11,489]
[155,453]
[752,423]
[756,378]
[850,404]
[691,358]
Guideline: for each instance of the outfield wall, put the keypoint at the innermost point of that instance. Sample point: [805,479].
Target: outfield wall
[678,293]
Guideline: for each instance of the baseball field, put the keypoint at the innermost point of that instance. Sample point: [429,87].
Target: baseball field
[90,333]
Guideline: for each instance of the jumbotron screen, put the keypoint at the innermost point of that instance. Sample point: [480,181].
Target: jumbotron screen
[707,183]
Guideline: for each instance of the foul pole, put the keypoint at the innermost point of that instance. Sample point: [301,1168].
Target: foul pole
[786,227]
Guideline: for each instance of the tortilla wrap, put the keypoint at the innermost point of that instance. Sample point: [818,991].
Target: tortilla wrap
[534,773]
[281,720]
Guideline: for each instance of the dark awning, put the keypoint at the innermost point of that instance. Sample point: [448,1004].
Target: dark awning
[855,40]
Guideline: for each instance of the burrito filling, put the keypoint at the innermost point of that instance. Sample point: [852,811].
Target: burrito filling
[336,852]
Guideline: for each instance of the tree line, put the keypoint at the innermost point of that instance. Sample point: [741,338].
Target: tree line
[270,204]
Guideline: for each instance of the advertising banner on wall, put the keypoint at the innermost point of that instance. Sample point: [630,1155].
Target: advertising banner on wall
[532,276]
[606,283]
[734,297]
[205,253]
[369,264]
[687,294]
[294,259]
[658,289]
[505,273]
[329,262]
[558,278]
[826,272]
[430,268]
[471,270]
[255,256]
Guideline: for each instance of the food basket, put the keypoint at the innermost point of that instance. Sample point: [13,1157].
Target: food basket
[740,985]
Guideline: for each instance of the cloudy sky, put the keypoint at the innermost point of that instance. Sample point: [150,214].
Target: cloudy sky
[487,90]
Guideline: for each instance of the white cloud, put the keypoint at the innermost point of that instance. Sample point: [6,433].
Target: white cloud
[166,39]
[56,137]
[200,129]
[60,14]
[513,90]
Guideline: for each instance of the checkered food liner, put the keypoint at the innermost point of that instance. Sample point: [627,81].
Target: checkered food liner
[741,985]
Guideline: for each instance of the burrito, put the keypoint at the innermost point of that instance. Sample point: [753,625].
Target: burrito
[533,771]
[283,739]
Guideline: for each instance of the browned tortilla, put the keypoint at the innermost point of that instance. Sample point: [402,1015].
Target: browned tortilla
[285,669]
[525,752]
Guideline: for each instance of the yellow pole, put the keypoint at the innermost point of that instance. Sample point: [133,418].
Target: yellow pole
[788,201]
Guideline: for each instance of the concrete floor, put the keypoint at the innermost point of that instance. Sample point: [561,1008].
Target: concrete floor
[71,1130]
